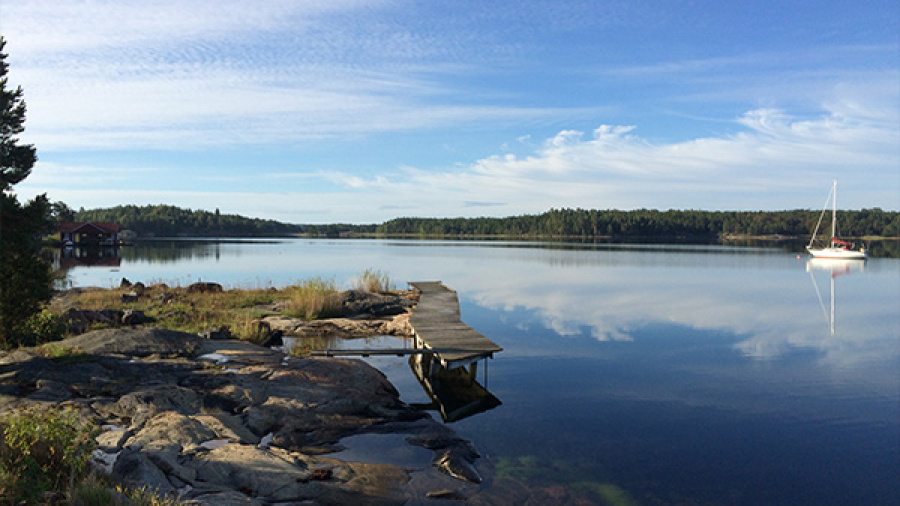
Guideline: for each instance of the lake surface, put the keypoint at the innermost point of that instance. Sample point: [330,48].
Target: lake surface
[633,374]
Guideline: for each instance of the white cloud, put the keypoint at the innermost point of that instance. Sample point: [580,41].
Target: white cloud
[780,156]
[164,76]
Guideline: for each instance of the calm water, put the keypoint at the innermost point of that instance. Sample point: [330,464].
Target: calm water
[635,374]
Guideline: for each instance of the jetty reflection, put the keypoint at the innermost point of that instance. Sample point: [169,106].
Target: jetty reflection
[454,393]
[836,268]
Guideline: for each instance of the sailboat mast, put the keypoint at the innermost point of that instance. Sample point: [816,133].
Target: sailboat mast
[834,212]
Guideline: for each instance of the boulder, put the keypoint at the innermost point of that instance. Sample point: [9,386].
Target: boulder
[340,327]
[458,464]
[171,429]
[359,302]
[133,317]
[135,468]
[129,298]
[272,474]
[265,335]
[204,287]
[137,342]
[79,320]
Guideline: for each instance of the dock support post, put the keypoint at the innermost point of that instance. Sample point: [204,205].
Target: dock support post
[473,371]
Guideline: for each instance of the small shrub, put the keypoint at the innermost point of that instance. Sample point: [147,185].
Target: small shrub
[93,491]
[373,280]
[42,451]
[42,327]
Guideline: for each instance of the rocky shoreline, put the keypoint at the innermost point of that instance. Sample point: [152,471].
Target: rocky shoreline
[227,422]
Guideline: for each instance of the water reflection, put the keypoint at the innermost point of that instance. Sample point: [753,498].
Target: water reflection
[88,256]
[454,393]
[836,267]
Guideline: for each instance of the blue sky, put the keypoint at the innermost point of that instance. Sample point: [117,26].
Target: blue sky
[362,111]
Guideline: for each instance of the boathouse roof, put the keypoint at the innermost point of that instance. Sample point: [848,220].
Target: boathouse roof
[82,226]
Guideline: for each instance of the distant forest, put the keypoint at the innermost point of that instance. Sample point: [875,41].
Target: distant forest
[170,221]
[650,223]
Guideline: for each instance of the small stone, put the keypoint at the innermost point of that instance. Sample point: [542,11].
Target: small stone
[221,333]
[322,474]
[453,495]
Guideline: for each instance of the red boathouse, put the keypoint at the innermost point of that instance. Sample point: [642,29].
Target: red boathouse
[89,233]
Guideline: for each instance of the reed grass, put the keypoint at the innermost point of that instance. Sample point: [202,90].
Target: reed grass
[374,281]
[312,299]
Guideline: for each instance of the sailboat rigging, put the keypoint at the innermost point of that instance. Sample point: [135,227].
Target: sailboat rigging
[836,248]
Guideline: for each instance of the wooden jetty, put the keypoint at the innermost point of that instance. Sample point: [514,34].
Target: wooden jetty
[437,327]
[437,331]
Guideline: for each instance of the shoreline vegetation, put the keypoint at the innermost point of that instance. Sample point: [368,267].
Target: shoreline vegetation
[175,395]
[205,307]
[170,221]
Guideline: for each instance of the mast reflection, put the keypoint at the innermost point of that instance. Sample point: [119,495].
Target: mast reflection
[836,268]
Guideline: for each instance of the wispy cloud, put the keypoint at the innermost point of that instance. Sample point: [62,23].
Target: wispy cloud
[612,167]
[164,74]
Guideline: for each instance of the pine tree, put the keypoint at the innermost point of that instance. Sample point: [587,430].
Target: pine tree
[25,277]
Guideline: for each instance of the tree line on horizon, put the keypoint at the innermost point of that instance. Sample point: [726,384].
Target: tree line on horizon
[171,221]
[645,223]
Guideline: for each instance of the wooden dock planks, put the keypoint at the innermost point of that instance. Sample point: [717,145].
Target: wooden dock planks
[437,326]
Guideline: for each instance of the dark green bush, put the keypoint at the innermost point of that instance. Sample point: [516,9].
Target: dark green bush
[40,328]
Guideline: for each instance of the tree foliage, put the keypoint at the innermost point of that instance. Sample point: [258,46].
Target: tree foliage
[171,221]
[647,223]
[16,160]
[25,277]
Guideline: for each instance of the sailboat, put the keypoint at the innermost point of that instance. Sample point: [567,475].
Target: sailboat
[836,248]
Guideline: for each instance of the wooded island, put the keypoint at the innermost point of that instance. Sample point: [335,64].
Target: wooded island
[171,221]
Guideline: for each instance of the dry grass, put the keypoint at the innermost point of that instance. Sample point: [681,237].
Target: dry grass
[238,309]
[373,280]
[313,299]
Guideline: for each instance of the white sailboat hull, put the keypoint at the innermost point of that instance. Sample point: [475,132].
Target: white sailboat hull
[837,253]
[838,249]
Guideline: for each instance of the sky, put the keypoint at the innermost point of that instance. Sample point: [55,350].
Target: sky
[352,111]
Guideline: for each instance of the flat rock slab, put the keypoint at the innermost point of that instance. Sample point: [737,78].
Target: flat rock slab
[136,342]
